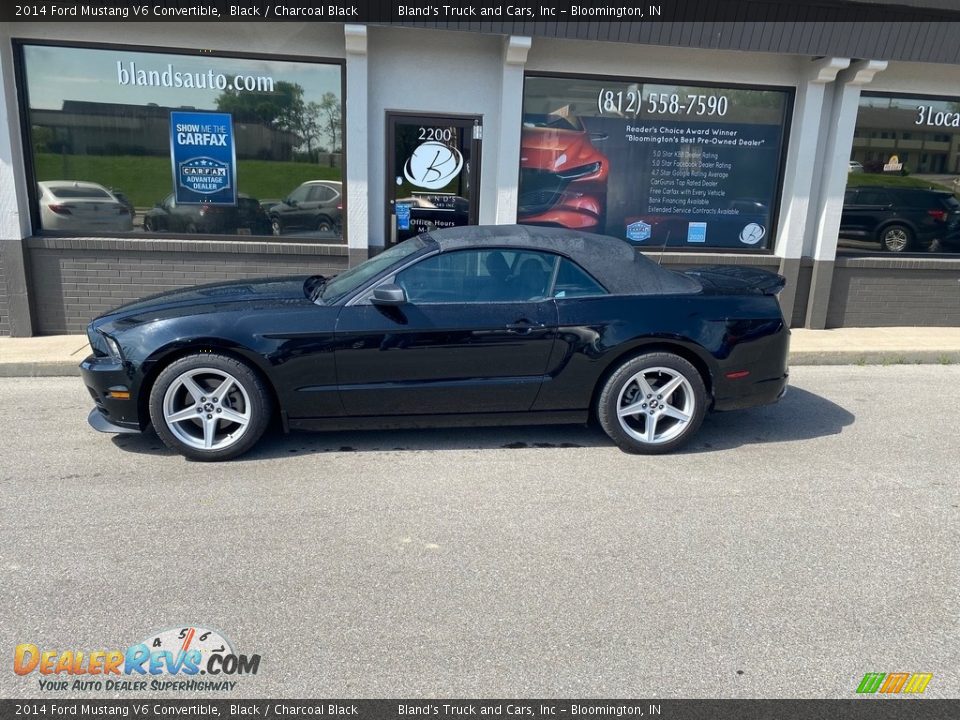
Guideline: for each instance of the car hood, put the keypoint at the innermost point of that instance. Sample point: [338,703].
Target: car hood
[556,150]
[236,294]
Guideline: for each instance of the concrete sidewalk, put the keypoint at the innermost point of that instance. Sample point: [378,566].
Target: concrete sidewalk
[61,354]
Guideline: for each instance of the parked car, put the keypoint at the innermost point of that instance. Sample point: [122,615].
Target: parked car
[900,219]
[125,201]
[77,206]
[479,325]
[854,167]
[563,176]
[314,205]
[171,216]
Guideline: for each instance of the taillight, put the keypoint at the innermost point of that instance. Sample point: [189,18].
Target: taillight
[340,206]
[938,215]
[60,209]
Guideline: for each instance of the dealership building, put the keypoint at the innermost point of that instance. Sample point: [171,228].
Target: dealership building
[141,157]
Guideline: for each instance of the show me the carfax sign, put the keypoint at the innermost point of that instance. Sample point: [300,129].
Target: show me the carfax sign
[204,158]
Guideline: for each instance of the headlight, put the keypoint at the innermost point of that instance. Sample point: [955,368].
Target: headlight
[114,347]
[103,345]
[579,172]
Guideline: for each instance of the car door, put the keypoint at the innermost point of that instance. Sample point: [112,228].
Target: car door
[872,207]
[294,212]
[474,336]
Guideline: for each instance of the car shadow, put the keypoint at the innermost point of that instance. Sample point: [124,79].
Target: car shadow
[801,415]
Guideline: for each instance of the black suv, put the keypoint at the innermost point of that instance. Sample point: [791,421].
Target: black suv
[900,219]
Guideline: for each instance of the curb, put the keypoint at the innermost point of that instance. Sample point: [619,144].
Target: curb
[798,358]
[874,357]
[55,368]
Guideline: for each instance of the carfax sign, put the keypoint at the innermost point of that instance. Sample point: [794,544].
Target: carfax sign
[204,158]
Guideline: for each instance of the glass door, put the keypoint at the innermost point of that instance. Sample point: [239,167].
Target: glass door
[433,173]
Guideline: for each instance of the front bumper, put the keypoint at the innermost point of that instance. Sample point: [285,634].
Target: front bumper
[103,376]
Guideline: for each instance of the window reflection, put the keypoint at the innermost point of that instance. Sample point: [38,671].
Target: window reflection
[903,177]
[101,118]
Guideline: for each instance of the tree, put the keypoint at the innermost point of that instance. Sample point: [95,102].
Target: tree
[331,118]
[280,109]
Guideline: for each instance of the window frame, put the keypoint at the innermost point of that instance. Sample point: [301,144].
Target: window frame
[26,130]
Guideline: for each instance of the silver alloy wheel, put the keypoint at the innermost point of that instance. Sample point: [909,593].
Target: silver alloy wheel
[655,405]
[895,239]
[207,409]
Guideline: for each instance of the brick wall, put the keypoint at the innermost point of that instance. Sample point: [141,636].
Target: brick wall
[881,292]
[76,279]
[4,309]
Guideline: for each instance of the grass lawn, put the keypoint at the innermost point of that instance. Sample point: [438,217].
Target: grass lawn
[148,180]
[857,179]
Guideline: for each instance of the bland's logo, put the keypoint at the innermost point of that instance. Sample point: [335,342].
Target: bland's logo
[204,175]
[752,233]
[433,165]
[182,651]
[638,231]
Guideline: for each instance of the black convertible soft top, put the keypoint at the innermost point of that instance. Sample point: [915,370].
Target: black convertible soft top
[621,268]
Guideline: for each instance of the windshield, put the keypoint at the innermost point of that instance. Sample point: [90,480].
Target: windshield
[355,277]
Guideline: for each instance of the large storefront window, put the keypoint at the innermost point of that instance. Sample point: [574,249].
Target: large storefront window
[126,141]
[661,165]
[903,176]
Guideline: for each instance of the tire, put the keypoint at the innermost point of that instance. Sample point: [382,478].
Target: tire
[149,225]
[896,238]
[676,416]
[223,428]
[192,229]
[324,224]
[276,227]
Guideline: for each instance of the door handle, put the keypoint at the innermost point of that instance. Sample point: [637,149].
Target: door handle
[523,326]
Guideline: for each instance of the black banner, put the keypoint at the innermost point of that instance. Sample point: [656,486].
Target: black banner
[489,11]
[856,709]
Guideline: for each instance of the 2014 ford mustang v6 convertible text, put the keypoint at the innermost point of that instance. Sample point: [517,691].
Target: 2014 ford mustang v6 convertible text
[473,325]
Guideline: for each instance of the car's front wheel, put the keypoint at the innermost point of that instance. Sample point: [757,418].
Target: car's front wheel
[652,403]
[209,407]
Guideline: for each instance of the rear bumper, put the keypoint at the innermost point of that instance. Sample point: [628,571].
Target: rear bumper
[764,392]
[101,376]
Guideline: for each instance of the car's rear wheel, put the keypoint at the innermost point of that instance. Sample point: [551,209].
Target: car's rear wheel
[324,224]
[896,238]
[276,227]
[652,403]
[209,407]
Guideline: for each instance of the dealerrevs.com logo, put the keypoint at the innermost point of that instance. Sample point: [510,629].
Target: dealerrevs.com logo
[894,683]
[172,659]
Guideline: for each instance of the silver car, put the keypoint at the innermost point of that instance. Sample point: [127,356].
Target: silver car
[77,206]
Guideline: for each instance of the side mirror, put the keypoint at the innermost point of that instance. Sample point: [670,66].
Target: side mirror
[291,202]
[389,295]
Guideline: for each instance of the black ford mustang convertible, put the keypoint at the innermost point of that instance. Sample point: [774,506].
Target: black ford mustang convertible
[478,325]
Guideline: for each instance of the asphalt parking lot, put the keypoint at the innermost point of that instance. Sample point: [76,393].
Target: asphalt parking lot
[787,552]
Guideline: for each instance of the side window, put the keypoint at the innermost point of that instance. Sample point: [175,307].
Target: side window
[873,197]
[300,194]
[573,281]
[326,193]
[479,276]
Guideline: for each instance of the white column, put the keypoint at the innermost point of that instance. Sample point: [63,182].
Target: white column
[833,183]
[511,116]
[357,169]
[802,154]
[14,203]
[836,152]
